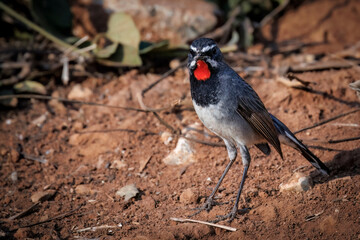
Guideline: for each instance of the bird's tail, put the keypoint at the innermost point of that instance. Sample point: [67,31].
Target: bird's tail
[288,138]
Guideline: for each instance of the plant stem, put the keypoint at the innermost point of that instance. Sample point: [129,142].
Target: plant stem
[37,28]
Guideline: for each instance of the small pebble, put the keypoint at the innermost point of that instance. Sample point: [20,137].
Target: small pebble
[42,196]
[299,182]
[14,176]
[128,192]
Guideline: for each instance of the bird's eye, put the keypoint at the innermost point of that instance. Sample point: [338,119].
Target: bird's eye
[213,51]
[192,52]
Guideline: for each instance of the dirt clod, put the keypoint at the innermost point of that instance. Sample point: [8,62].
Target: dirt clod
[189,196]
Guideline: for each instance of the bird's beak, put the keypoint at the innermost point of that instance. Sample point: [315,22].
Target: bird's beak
[192,64]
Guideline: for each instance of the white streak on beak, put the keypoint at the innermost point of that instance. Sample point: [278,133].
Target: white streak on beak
[193,63]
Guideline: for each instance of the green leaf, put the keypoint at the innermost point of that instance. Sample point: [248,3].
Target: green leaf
[54,16]
[106,51]
[122,29]
[124,56]
[30,87]
[146,47]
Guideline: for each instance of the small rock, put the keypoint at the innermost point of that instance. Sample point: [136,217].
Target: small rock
[14,176]
[3,151]
[84,190]
[189,196]
[75,139]
[42,195]
[148,203]
[77,126]
[14,155]
[57,106]
[100,162]
[356,86]
[129,191]
[166,138]
[23,233]
[299,182]
[174,63]
[39,121]
[182,154]
[118,164]
[79,92]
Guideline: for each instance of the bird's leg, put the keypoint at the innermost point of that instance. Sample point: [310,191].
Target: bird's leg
[209,203]
[245,156]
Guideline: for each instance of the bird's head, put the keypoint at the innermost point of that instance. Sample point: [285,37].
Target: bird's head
[204,58]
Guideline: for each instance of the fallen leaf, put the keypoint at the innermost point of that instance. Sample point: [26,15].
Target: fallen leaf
[30,86]
[122,29]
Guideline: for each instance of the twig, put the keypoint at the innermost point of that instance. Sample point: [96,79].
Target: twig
[77,102]
[325,148]
[25,212]
[202,222]
[40,159]
[346,125]
[204,142]
[162,121]
[317,66]
[326,121]
[117,130]
[331,141]
[273,13]
[75,45]
[165,75]
[98,228]
[312,217]
[63,215]
[299,168]
[220,31]
[344,140]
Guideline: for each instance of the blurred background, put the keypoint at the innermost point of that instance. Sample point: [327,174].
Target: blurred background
[99,139]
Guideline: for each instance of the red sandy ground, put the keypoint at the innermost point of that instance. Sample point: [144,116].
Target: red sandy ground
[84,159]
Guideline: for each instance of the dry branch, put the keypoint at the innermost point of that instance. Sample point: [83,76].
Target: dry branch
[202,222]
[43,97]
[60,216]
[327,120]
[25,212]
[165,75]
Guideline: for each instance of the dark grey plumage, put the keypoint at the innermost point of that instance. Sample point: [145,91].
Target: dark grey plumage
[230,108]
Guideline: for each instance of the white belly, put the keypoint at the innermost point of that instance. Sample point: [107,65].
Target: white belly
[227,123]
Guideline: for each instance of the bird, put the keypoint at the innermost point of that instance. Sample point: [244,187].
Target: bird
[230,108]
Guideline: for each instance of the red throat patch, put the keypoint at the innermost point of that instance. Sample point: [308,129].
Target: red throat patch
[202,71]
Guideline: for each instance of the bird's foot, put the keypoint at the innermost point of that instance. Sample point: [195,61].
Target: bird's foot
[208,205]
[231,215]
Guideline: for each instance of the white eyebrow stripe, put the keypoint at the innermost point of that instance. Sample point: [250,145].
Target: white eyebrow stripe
[207,48]
[193,48]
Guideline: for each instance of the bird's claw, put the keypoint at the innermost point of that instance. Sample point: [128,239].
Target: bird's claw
[208,205]
[231,215]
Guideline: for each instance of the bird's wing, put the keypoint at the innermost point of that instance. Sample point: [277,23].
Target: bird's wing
[254,112]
